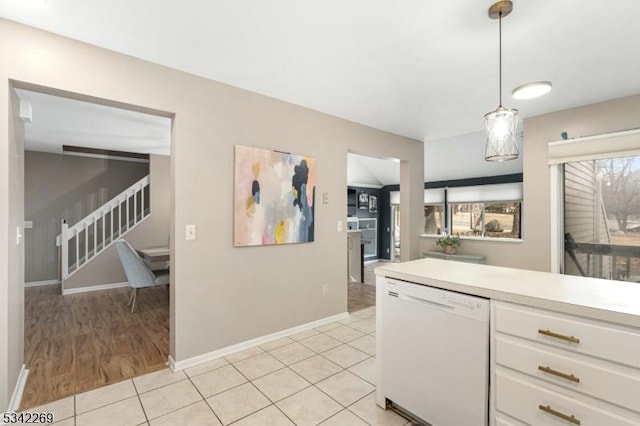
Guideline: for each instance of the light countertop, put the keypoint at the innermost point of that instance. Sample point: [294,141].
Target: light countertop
[613,301]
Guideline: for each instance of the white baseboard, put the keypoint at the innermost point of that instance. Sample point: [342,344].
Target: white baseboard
[192,362]
[40,283]
[16,397]
[68,291]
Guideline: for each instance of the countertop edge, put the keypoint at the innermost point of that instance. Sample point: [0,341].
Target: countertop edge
[606,313]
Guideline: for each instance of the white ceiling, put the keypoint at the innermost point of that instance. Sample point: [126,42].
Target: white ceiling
[427,69]
[60,121]
[371,172]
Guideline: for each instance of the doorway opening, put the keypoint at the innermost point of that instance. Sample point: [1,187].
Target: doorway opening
[370,181]
[99,174]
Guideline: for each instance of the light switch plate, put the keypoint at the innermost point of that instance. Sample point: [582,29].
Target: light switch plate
[339,226]
[191,232]
[325,198]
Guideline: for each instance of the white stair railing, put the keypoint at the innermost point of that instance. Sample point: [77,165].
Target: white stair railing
[99,229]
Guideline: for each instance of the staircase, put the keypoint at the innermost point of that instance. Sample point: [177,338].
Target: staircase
[99,229]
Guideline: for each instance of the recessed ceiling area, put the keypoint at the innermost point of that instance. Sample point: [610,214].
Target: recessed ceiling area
[58,121]
[426,69]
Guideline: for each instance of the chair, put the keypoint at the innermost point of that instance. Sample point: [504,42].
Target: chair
[138,272]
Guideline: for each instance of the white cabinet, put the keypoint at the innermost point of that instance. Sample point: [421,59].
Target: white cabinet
[550,368]
[563,350]
[369,228]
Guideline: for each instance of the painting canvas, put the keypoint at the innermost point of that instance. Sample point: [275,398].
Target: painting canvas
[274,197]
[363,200]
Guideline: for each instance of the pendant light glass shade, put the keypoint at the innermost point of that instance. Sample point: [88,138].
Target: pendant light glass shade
[501,125]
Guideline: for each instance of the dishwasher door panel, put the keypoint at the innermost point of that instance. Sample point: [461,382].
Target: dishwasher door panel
[435,356]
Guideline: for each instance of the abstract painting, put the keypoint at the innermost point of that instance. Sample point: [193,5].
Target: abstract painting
[274,197]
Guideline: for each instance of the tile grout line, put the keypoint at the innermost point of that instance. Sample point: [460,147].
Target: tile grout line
[355,402]
[204,399]
[311,385]
[140,401]
[281,399]
[248,381]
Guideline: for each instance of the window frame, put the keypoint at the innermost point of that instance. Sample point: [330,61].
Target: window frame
[607,145]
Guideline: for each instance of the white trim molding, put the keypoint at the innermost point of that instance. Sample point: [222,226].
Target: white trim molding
[41,283]
[68,291]
[557,218]
[18,391]
[210,356]
[606,145]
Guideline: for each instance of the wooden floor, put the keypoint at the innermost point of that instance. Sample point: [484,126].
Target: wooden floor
[360,296]
[363,295]
[79,342]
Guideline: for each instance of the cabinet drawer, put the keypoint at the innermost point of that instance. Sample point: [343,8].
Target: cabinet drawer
[537,405]
[607,341]
[610,382]
[502,420]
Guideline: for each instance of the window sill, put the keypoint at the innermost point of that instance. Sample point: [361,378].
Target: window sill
[466,237]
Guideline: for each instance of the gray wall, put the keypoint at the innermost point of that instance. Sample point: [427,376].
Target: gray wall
[534,251]
[220,295]
[152,232]
[66,187]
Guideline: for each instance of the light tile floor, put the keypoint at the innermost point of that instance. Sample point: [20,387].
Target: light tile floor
[324,376]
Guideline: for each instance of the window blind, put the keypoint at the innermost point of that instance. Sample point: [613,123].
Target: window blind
[431,196]
[485,193]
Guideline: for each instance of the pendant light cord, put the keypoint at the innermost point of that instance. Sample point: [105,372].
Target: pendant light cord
[500,55]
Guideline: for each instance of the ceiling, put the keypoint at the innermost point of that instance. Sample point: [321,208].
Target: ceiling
[60,121]
[427,69]
[371,172]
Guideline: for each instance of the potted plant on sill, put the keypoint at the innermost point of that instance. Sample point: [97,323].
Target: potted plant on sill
[449,243]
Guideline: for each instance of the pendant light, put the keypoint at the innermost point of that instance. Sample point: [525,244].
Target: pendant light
[502,122]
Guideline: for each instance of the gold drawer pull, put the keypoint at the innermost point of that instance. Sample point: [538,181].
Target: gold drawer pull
[559,374]
[559,336]
[548,409]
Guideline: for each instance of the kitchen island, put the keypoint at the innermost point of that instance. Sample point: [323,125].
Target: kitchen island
[563,349]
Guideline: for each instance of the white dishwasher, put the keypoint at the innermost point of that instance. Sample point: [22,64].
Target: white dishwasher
[435,353]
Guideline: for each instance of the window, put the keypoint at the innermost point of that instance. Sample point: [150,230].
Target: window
[486,211]
[602,218]
[502,220]
[471,211]
[466,219]
[434,208]
[433,218]
[595,205]
[491,219]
